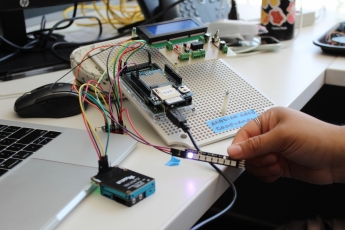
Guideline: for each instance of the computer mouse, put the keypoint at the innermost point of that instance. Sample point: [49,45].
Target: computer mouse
[56,100]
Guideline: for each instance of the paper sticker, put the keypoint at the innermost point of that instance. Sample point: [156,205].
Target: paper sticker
[173,162]
[231,121]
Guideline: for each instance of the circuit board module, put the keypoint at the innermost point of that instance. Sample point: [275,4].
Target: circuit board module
[158,89]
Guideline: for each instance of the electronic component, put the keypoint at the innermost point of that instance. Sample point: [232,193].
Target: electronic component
[176,31]
[166,92]
[169,46]
[225,49]
[207,157]
[207,37]
[198,54]
[225,102]
[183,57]
[215,37]
[124,186]
[222,44]
[157,89]
[200,50]
[183,89]
[196,45]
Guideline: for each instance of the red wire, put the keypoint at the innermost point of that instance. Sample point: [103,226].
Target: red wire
[92,140]
[130,48]
[137,132]
[86,125]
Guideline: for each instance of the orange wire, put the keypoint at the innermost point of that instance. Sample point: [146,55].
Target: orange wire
[137,132]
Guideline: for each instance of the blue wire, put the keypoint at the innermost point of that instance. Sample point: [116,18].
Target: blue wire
[225,177]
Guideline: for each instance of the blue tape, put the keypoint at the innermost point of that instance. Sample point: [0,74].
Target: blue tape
[173,162]
[231,121]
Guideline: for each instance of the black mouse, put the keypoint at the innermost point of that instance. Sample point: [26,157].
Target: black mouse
[55,100]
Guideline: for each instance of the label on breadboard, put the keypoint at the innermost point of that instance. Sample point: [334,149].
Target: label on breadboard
[231,121]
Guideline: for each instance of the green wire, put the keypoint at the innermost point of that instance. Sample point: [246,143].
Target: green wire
[116,61]
[100,105]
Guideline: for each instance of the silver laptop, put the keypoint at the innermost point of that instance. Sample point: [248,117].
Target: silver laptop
[45,173]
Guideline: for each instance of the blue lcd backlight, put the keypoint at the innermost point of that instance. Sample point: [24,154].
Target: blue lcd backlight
[172,26]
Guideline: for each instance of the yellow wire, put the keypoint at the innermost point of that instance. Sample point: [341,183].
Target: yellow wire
[87,120]
[127,13]
[98,12]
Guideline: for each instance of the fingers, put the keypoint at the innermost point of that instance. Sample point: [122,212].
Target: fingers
[253,146]
[257,138]
[264,160]
[251,129]
[267,173]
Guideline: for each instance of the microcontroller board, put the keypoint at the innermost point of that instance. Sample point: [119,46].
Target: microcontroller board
[158,89]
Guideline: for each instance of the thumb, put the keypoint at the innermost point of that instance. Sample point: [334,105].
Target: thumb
[252,147]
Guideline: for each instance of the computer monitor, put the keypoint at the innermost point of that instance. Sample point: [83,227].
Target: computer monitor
[13,28]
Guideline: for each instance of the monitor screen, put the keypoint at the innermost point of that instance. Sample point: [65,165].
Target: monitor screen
[172,26]
[13,29]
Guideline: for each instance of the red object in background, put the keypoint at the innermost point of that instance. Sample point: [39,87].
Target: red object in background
[277,17]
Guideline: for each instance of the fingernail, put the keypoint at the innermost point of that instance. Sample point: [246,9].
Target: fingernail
[234,150]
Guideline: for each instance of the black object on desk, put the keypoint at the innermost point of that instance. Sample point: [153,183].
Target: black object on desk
[56,100]
[333,41]
[32,62]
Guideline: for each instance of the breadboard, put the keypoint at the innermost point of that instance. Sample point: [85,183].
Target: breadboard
[209,80]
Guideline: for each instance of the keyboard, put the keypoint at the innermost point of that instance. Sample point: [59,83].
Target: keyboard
[18,143]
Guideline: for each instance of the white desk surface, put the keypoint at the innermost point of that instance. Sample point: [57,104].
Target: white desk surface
[289,77]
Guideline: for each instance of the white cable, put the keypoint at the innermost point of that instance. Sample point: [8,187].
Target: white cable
[245,50]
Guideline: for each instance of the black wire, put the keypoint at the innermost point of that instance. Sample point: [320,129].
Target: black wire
[135,135]
[9,56]
[59,28]
[25,47]
[70,44]
[98,40]
[126,130]
[88,57]
[46,38]
[73,16]
[192,139]
[144,22]
[43,22]
[149,59]
[29,45]
[224,176]
[115,99]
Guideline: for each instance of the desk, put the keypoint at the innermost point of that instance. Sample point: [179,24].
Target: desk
[288,78]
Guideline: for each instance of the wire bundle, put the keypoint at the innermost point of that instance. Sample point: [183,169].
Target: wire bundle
[122,14]
[110,104]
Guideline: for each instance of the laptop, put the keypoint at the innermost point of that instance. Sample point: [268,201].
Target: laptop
[45,171]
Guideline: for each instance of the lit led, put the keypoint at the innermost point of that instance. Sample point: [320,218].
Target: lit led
[190,155]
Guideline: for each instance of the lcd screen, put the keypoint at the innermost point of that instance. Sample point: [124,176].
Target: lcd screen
[172,26]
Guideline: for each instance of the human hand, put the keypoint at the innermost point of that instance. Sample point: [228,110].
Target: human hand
[291,144]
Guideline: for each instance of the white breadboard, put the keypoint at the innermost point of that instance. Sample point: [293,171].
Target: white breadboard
[209,80]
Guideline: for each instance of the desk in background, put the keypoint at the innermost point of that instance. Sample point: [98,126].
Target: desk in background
[289,77]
